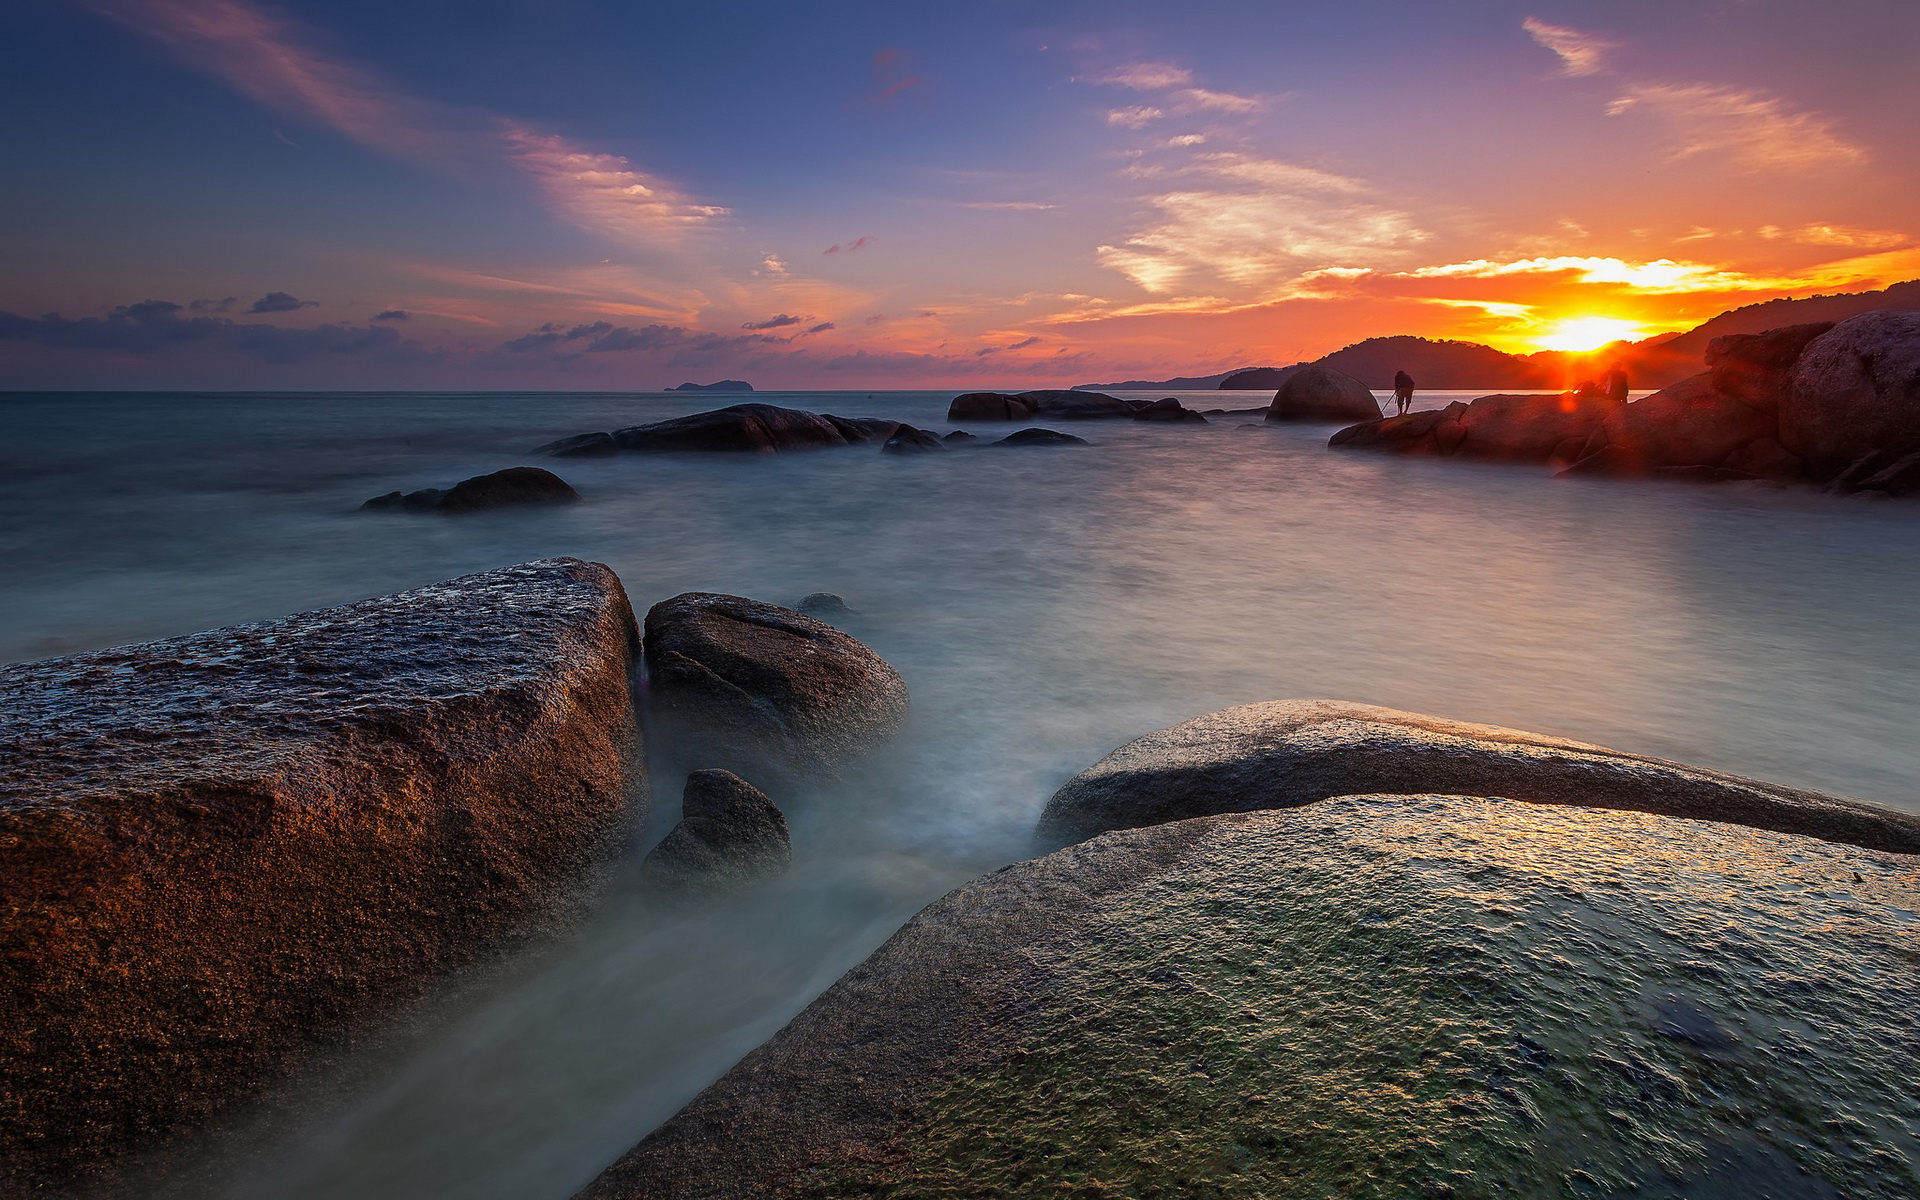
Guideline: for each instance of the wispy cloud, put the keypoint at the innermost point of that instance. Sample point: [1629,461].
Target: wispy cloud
[155,329]
[1010,205]
[278,302]
[1581,53]
[1147,76]
[1662,275]
[780,321]
[1134,116]
[272,61]
[1250,223]
[1748,127]
[605,193]
[1838,235]
[848,248]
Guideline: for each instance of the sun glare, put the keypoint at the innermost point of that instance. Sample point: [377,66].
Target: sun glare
[1580,334]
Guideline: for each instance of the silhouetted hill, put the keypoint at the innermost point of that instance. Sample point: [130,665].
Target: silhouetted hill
[725,385]
[1456,366]
[1186,383]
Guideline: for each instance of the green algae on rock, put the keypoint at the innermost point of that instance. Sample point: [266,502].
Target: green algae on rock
[1374,996]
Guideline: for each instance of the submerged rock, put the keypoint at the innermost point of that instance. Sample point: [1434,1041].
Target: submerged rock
[764,690]
[1168,409]
[739,428]
[959,437]
[729,834]
[1039,437]
[1072,404]
[908,440]
[219,851]
[1293,752]
[1374,996]
[823,606]
[580,445]
[1322,394]
[861,430]
[511,488]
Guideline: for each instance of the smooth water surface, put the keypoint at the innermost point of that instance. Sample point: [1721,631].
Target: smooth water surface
[1044,605]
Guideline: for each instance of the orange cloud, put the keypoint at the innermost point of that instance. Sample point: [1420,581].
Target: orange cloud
[1581,53]
[1747,127]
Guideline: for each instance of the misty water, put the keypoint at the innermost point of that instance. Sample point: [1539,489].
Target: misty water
[1044,606]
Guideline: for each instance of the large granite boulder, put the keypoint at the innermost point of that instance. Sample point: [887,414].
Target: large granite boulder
[738,428]
[1371,997]
[861,430]
[1039,437]
[729,834]
[1292,752]
[1757,368]
[1693,423]
[580,445]
[219,851]
[1076,405]
[1856,395]
[765,691]
[1322,394]
[909,440]
[515,487]
[1518,428]
[1170,410]
[989,406]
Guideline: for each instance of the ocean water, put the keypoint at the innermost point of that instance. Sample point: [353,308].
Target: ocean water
[1044,605]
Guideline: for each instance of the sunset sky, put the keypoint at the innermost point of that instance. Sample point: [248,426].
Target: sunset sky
[558,194]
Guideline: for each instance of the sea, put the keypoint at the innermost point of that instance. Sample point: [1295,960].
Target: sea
[1044,605]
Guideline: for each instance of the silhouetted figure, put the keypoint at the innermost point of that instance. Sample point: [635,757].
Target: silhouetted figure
[1402,393]
[1615,383]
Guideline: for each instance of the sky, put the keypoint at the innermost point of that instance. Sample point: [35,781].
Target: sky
[590,194]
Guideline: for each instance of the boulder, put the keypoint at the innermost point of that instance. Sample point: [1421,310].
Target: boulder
[1039,437]
[959,437]
[1519,428]
[860,430]
[512,488]
[989,406]
[1322,394]
[1168,409]
[1375,996]
[729,834]
[1693,423]
[1435,431]
[1855,393]
[823,606]
[764,690]
[1757,368]
[219,852]
[1293,752]
[908,440]
[1075,405]
[738,428]
[580,445]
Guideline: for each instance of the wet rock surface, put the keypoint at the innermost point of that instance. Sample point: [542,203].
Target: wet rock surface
[220,851]
[1855,399]
[1322,394]
[989,406]
[769,692]
[1040,437]
[1292,752]
[1372,996]
[515,487]
[729,834]
[738,429]
[824,606]
[909,440]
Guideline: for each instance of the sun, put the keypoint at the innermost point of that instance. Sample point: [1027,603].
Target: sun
[1581,334]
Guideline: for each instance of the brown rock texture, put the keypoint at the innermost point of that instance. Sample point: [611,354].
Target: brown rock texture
[1854,406]
[219,851]
[1550,429]
[765,691]
[730,833]
[1322,394]
[989,406]
[1287,753]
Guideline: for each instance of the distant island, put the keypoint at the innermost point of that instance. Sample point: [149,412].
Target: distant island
[725,385]
[1450,365]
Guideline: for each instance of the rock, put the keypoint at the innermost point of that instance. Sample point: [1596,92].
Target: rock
[860,430]
[1075,405]
[959,437]
[1169,409]
[908,440]
[989,406]
[1766,458]
[1039,437]
[219,852]
[824,606]
[729,834]
[1435,431]
[1856,391]
[1549,429]
[1899,478]
[1322,394]
[1375,996]
[580,445]
[739,428]
[1294,752]
[725,385]
[1757,368]
[766,691]
[1693,423]
[513,487]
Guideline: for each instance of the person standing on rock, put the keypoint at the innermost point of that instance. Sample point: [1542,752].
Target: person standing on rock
[1402,393]
[1615,384]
